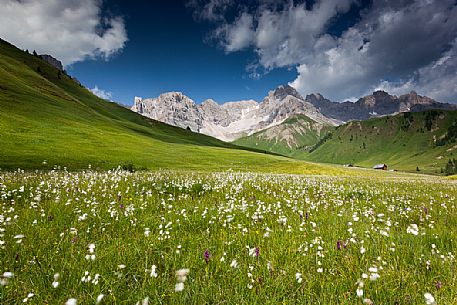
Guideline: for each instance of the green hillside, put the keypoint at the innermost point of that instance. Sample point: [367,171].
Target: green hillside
[48,119]
[296,134]
[408,141]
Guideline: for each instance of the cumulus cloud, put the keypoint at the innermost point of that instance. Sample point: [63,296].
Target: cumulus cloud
[106,95]
[398,45]
[71,30]
[396,48]
[438,79]
[238,35]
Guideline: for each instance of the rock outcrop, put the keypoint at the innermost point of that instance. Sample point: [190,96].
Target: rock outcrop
[173,108]
[52,61]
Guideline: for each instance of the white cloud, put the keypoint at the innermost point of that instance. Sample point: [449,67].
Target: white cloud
[286,37]
[238,35]
[70,30]
[395,48]
[396,45]
[438,79]
[106,95]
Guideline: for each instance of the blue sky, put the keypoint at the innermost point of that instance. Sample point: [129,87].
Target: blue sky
[231,50]
[166,51]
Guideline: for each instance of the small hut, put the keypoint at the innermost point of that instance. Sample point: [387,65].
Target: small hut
[380,166]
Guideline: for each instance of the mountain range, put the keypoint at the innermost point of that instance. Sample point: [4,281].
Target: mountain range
[379,103]
[234,120]
[409,131]
[231,120]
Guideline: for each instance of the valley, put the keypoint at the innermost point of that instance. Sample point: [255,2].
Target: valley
[228,152]
[410,133]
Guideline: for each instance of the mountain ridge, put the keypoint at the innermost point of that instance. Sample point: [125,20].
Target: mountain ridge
[230,120]
[233,120]
[379,103]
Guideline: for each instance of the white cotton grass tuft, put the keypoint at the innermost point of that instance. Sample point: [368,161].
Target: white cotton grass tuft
[373,269]
[29,296]
[91,255]
[153,271]
[147,231]
[234,264]
[4,279]
[99,298]
[8,275]
[181,275]
[374,276]
[55,283]
[179,287]
[359,290]
[298,277]
[429,299]
[71,302]
[412,229]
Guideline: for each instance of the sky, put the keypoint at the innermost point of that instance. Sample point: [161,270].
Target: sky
[231,50]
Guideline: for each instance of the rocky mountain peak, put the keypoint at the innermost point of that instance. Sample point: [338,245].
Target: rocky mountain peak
[380,94]
[210,102]
[315,96]
[173,96]
[282,91]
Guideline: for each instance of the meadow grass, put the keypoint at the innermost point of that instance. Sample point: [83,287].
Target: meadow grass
[246,238]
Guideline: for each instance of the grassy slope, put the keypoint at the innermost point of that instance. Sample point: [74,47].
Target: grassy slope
[43,118]
[305,133]
[388,140]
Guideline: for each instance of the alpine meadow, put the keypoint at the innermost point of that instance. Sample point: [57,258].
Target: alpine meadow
[244,186]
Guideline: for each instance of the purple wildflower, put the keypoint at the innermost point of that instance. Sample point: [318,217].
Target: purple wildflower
[438,285]
[257,252]
[338,245]
[306,215]
[425,210]
[206,256]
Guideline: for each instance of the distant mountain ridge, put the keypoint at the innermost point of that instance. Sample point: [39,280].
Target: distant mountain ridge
[231,120]
[234,120]
[379,103]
